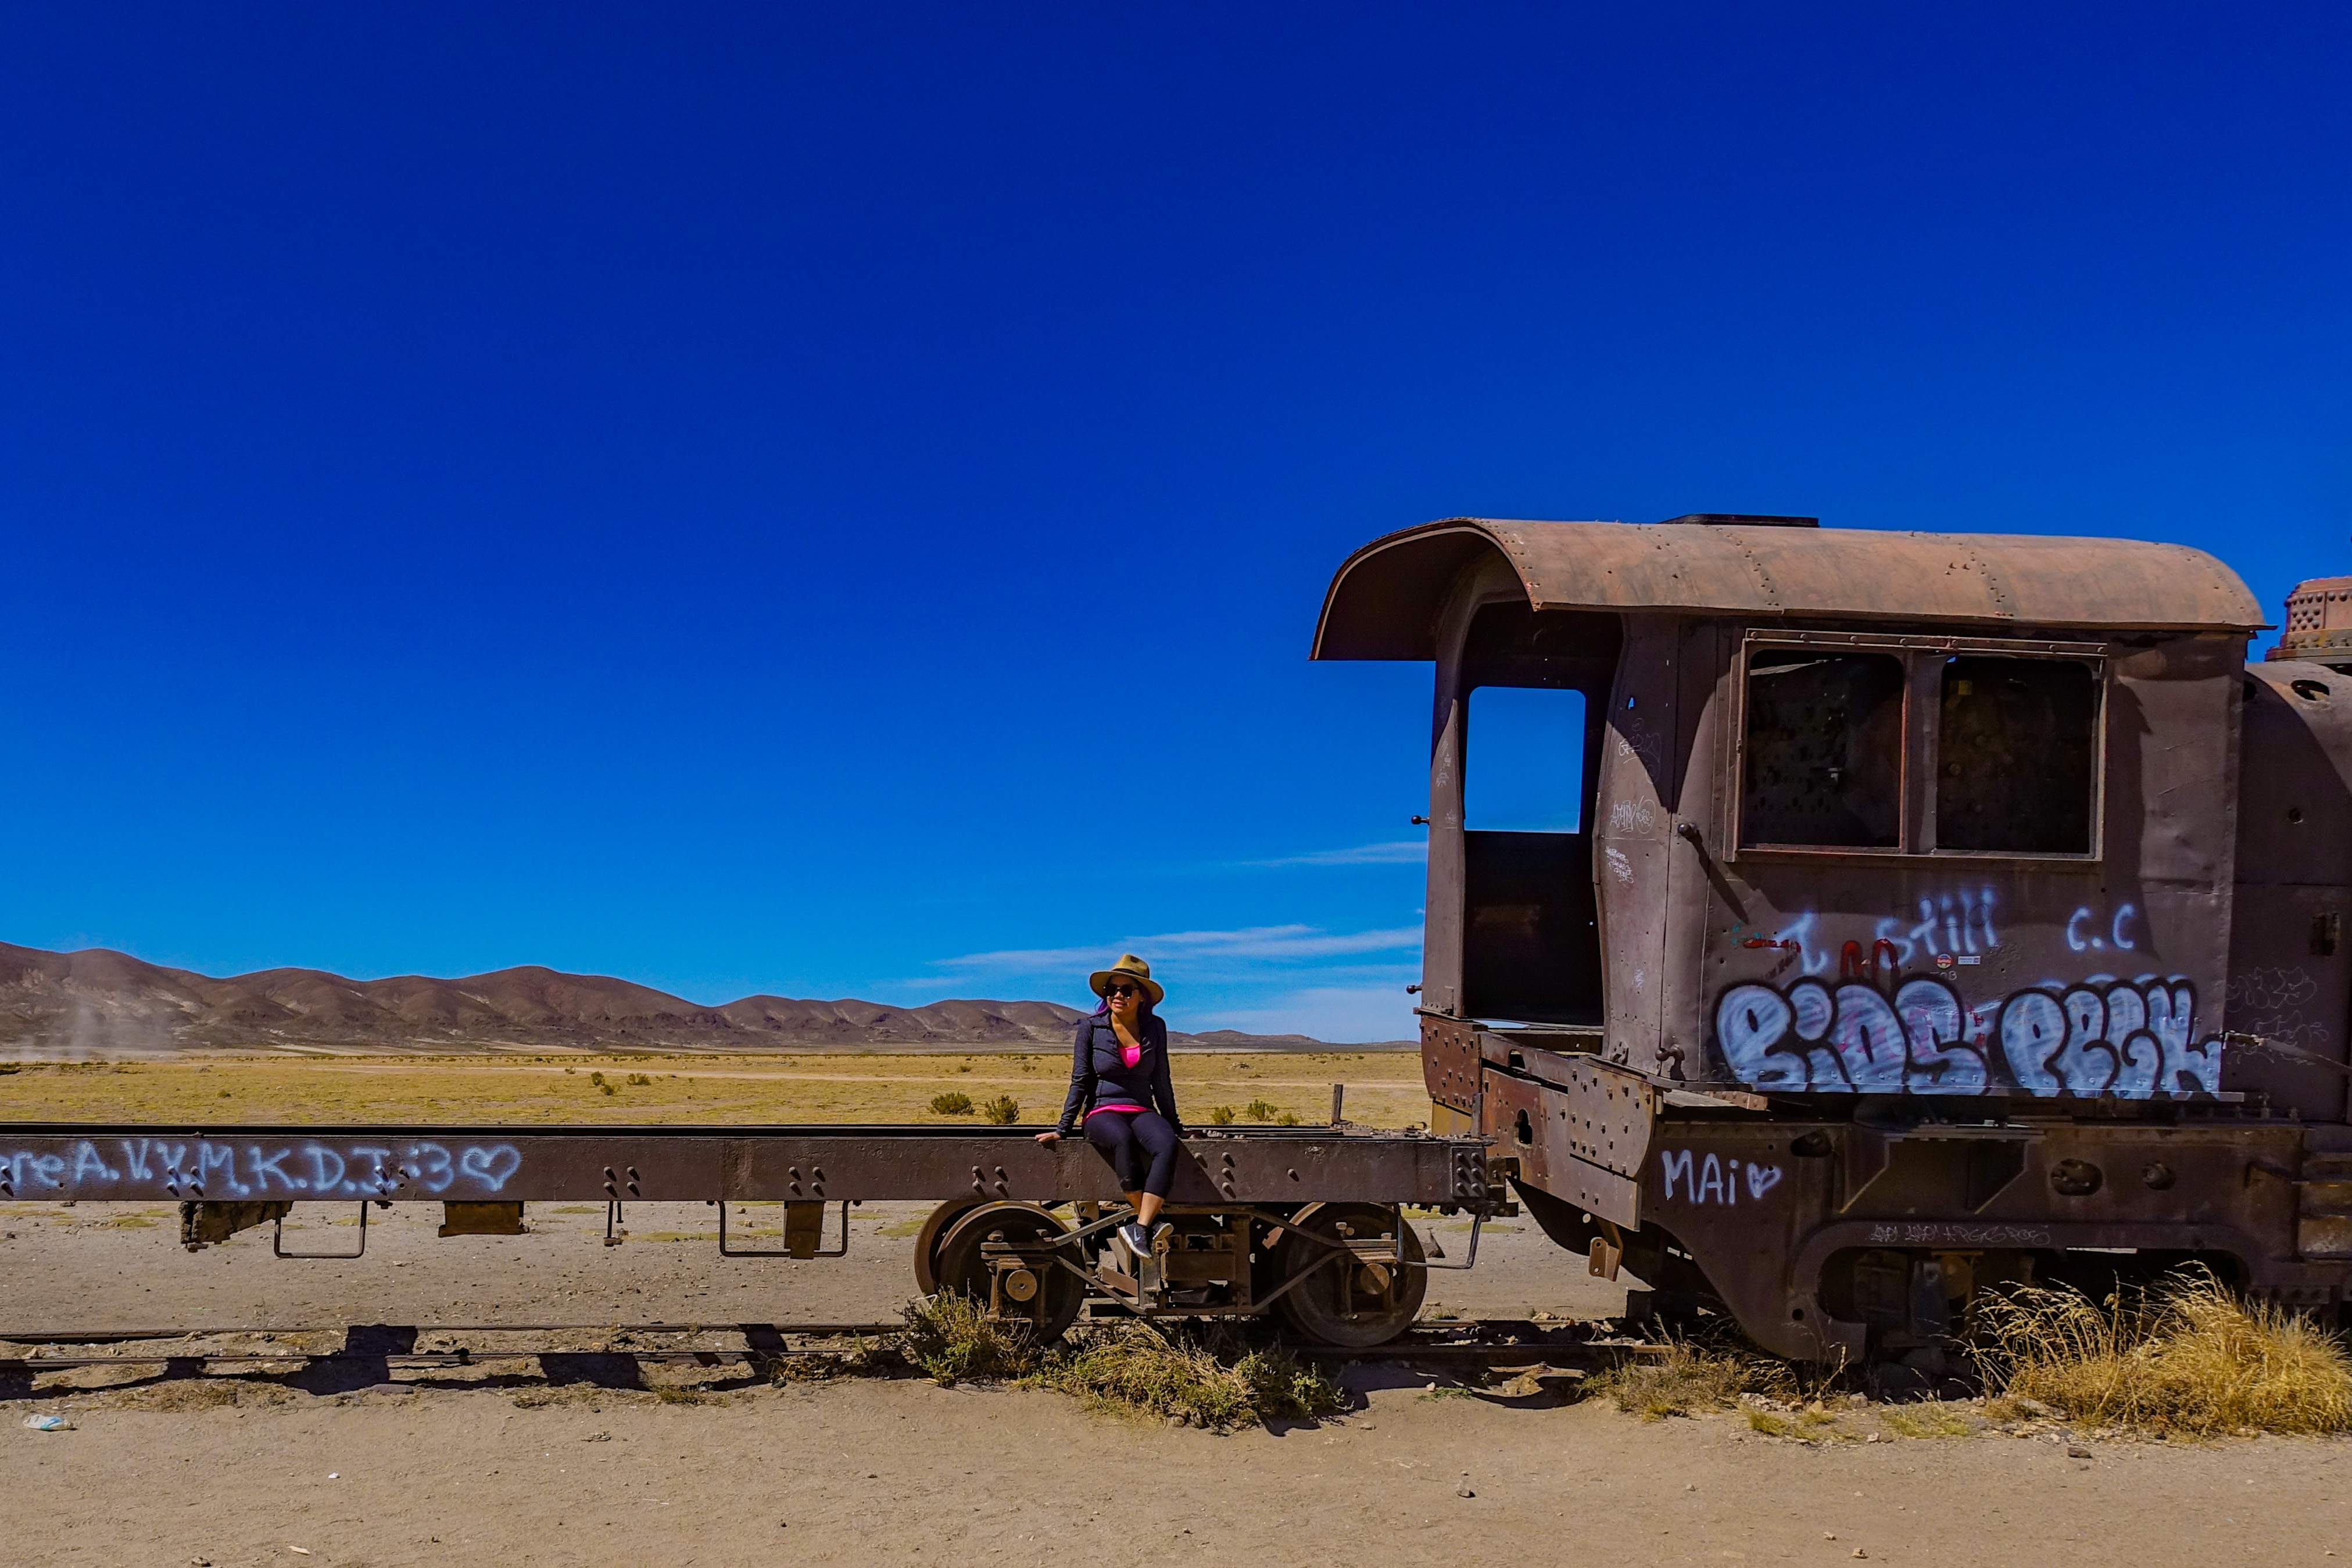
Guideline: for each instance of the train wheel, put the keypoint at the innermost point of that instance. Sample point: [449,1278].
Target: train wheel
[928,1239]
[1042,1294]
[1353,1303]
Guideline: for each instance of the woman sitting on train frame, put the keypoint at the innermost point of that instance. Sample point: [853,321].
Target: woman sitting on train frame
[1118,1081]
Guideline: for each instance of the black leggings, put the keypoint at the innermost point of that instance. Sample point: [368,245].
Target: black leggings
[1128,1138]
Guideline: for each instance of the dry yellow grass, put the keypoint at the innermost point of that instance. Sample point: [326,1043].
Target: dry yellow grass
[1384,1088]
[1199,1376]
[2188,1358]
[1688,1378]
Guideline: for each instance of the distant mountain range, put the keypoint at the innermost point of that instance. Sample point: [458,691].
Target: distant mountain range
[99,1004]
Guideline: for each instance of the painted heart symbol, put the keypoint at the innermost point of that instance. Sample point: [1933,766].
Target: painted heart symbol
[491,1167]
[1762,1179]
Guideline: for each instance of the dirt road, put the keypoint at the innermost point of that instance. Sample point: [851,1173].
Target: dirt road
[494,1465]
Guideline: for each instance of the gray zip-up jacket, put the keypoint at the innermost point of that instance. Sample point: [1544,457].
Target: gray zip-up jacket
[1099,1074]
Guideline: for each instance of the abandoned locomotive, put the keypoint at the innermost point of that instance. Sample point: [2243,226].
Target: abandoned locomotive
[1896,913]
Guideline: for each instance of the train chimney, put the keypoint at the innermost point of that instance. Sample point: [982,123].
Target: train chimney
[2318,623]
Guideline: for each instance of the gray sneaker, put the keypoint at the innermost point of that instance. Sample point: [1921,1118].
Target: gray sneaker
[1138,1241]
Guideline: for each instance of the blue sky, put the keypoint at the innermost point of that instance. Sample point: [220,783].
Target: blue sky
[834,502]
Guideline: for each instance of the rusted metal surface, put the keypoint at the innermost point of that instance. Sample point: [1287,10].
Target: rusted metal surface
[1959,904]
[2290,957]
[270,1164]
[1386,599]
[2318,622]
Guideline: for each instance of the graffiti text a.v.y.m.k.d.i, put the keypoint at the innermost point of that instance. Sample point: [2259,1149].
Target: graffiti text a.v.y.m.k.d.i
[2128,1038]
[200,1167]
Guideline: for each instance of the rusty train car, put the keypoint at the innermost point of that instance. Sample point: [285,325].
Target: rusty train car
[1911,912]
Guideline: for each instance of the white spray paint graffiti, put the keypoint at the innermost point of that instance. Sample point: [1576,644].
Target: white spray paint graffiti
[2271,1003]
[1960,922]
[2087,932]
[1716,1180]
[217,1168]
[2132,1039]
[1633,819]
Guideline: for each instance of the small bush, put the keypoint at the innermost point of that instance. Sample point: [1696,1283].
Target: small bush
[1288,1118]
[1221,1116]
[1198,1377]
[1690,1377]
[641,1081]
[952,1104]
[950,1339]
[606,1088]
[595,1078]
[1003,1111]
[2189,1357]
[1259,1111]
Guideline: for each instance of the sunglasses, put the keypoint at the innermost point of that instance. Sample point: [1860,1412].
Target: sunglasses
[1122,989]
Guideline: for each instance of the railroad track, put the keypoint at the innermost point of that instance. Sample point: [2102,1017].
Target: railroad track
[1471,1345]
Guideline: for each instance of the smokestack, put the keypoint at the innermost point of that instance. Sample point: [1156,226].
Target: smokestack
[2318,623]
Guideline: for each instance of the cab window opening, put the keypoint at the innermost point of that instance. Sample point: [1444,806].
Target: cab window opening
[1526,770]
[1822,762]
[1535,690]
[2016,742]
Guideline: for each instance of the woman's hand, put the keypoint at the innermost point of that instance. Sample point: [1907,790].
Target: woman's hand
[1049,1137]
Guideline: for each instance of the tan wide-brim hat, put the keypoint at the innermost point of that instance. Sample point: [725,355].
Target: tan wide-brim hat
[1132,968]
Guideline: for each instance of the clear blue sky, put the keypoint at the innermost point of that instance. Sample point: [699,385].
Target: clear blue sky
[834,501]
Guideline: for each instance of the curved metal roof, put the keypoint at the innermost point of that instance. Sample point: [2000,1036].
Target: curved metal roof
[1386,598]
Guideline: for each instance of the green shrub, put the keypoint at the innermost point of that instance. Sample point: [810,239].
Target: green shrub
[952,1104]
[1259,1110]
[1221,1116]
[1003,1111]
[950,1339]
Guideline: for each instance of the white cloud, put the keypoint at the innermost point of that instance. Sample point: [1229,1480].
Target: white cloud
[1343,1014]
[1284,941]
[1395,852]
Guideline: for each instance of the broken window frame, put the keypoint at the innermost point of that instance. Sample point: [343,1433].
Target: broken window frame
[1923,660]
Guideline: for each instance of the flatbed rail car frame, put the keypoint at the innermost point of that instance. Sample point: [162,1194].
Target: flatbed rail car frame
[1306,1220]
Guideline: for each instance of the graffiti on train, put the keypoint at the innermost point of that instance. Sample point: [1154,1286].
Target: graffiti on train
[217,1168]
[1958,923]
[2129,1039]
[1716,1180]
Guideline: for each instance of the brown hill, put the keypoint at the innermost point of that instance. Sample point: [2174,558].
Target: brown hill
[98,1003]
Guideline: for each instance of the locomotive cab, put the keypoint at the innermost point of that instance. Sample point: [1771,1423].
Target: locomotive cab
[1860,928]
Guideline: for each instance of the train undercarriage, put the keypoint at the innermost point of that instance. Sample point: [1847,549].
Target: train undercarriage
[1862,1232]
